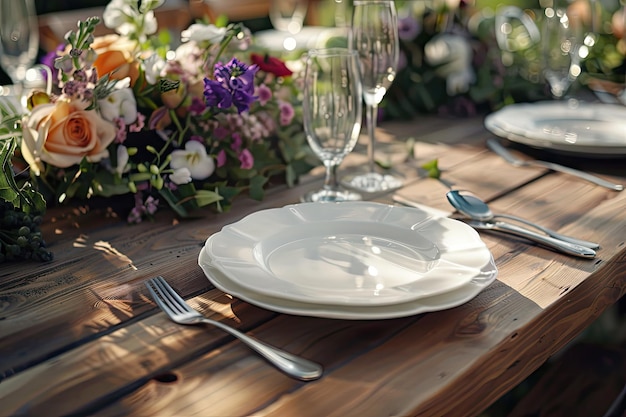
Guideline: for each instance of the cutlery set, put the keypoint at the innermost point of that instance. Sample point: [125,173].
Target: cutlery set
[182,313]
[479,217]
[482,218]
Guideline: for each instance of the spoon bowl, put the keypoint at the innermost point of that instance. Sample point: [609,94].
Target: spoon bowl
[476,209]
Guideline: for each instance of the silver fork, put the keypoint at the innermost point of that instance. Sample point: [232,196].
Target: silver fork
[495,146]
[182,313]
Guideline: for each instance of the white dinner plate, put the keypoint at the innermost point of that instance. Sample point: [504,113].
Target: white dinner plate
[308,38]
[444,301]
[567,126]
[350,253]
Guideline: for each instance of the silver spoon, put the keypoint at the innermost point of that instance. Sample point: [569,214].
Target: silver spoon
[476,209]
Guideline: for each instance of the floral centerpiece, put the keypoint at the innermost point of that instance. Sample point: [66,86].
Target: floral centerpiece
[189,127]
[451,62]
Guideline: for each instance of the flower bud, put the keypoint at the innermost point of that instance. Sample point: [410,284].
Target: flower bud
[36,98]
[157,182]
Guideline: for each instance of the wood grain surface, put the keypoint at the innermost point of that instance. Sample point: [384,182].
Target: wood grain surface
[80,335]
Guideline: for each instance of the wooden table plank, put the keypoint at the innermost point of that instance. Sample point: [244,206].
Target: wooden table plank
[81,334]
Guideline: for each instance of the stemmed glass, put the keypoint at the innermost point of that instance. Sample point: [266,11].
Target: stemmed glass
[288,15]
[19,38]
[560,41]
[374,35]
[332,110]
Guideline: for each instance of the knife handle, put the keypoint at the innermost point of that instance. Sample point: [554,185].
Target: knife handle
[566,247]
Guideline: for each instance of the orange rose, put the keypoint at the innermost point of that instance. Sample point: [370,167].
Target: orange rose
[115,57]
[63,133]
[618,23]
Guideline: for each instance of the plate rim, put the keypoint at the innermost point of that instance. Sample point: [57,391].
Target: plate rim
[463,295]
[494,123]
[304,294]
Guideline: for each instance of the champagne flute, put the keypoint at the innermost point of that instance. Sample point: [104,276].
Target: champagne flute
[19,38]
[288,15]
[374,36]
[561,57]
[332,111]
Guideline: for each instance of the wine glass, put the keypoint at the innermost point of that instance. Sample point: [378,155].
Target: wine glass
[288,15]
[332,111]
[561,51]
[374,35]
[19,38]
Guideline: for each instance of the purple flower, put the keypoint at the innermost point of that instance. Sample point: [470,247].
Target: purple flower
[233,84]
[197,106]
[216,95]
[408,28]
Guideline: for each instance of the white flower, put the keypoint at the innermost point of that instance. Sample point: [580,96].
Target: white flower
[194,158]
[198,32]
[153,65]
[122,159]
[150,24]
[119,104]
[452,54]
[147,5]
[181,176]
[118,15]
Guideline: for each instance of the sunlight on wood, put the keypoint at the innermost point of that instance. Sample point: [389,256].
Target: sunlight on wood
[80,242]
[112,252]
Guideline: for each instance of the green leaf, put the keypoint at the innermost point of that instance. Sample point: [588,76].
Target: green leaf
[171,199]
[256,187]
[206,197]
[25,198]
[432,168]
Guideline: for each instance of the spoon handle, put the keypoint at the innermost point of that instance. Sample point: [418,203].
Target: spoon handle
[550,232]
[565,247]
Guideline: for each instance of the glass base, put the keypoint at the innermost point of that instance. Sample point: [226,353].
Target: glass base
[372,182]
[330,196]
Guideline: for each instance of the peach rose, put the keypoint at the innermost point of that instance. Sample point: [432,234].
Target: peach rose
[63,133]
[618,23]
[115,57]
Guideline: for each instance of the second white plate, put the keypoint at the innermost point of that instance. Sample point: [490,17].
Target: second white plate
[595,129]
[451,299]
[351,253]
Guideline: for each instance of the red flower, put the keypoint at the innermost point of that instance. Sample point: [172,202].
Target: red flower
[271,64]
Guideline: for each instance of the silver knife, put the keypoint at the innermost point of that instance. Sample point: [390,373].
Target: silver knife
[495,146]
[560,245]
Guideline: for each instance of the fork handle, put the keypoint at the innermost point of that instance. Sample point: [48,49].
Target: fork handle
[580,174]
[292,365]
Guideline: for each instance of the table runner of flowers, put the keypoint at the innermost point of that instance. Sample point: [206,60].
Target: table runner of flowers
[189,128]
[197,125]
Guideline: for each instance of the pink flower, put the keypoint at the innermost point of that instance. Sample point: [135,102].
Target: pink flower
[286,113]
[221,158]
[246,159]
[264,93]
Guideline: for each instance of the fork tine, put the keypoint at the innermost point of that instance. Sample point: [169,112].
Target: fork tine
[167,303]
[177,303]
[156,296]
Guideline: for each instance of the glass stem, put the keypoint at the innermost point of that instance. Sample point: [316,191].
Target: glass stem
[330,181]
[372,115]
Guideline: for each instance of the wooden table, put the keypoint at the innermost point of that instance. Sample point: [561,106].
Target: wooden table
[80,335]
